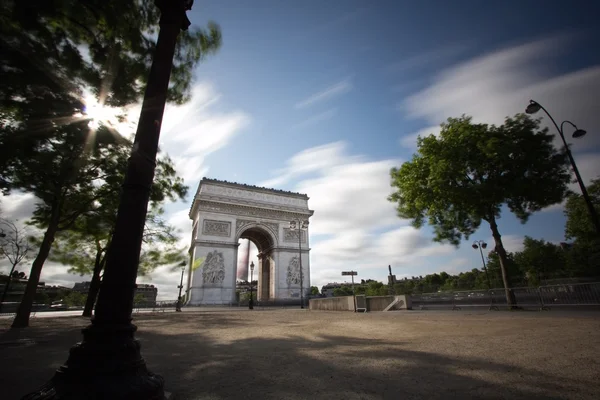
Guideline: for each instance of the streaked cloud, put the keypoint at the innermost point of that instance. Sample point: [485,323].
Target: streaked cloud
[430,58]
[315,119]
[354,226]
[337,89]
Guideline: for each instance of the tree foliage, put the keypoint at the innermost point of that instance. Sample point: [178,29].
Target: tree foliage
[579,225]
[465,176]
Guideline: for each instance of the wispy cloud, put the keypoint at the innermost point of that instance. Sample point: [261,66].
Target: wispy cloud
[188,133]
[354,224]
[324,116]
[428,58]
[501,83]
[330,92]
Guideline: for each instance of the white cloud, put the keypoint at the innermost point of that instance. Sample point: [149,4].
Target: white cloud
[196,129]
[17,206]
[410,140]
[332,91]
[189,133]
[349,196]
[324,116]
[501,83]
[309,160]
[352,195]
[427,58]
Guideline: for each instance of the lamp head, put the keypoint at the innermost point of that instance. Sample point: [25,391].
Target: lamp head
[252,266]
[533,107]
[483,245]
[475,246]
[579,133]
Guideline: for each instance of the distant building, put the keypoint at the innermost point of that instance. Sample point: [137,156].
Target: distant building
[82,287]
[150,292]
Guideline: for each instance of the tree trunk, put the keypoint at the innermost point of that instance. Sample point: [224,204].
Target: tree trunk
[7,286]
[24,310]
[94,284]
[510,296]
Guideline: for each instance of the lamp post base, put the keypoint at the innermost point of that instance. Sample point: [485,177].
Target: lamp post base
[106,365]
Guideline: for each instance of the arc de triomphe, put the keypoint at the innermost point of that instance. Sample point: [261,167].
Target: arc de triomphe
[224,212]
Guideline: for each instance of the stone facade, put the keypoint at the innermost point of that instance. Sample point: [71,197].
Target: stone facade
[224,212]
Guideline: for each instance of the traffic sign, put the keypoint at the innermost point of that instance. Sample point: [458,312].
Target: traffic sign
[344,273]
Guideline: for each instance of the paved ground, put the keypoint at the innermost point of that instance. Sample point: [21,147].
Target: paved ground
[294,354]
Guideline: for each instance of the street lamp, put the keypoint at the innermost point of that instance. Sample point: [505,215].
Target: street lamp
[300,225]
[179,302]
[534,107]
[108,363]
[251,302]
[480,244]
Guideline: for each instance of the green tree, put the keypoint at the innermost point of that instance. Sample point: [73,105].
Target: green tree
[517,277]
[44,148]
[85,245]
[583,256]
[465,176]
[579,226]
[42,298]
[342,291]
[75,299]
[540,260]
[314,291]
[138,299]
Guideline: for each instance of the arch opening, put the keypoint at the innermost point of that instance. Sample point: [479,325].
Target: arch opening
[256,245]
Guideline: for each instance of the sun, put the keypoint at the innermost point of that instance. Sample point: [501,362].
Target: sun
[98,113]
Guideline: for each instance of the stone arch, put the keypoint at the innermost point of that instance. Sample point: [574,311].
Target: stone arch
[224,212]
[262,233]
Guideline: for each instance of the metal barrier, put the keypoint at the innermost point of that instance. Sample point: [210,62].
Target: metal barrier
[542,298]
[571,294]
[155,306]
[471,298]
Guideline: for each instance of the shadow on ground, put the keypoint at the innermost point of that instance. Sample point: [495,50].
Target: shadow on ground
[196,365]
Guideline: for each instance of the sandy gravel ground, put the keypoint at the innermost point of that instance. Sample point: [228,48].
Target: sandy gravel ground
[295,354]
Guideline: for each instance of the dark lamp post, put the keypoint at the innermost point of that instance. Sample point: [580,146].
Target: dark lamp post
[480,244]
[179,300]
[300,225]
[108,363]
[534,107]
[251,302]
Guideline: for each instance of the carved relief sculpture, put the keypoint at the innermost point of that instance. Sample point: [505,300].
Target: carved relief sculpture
[216,228]
[293,272]
[241,223]
[248,211]
[213,268]
[291,235]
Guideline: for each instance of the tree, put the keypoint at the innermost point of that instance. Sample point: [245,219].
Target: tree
[44,76]
[85,245]
[583,256]
[342,291]
[465,176]
[314,291]
[540,260]
[74,299]
[138,299]
[15,246]
[579,225]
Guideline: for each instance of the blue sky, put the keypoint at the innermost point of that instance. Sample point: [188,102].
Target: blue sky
[325,97]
